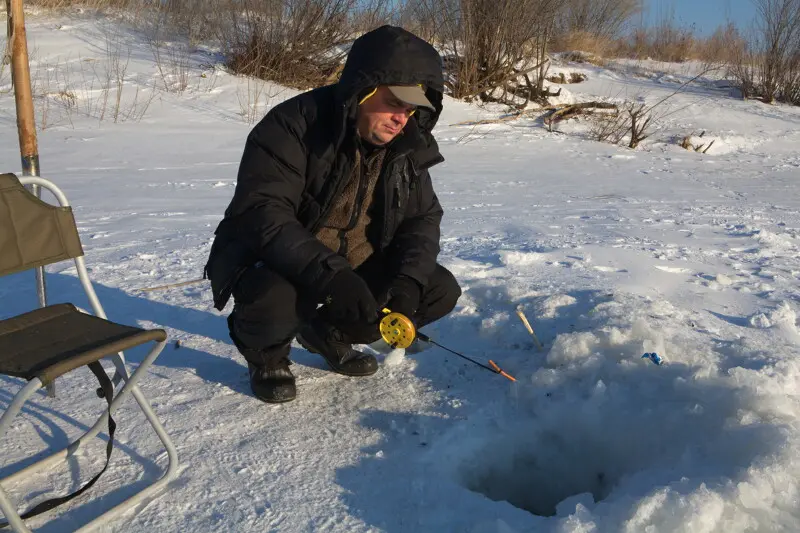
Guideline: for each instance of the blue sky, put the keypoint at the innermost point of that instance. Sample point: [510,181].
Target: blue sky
[706,15]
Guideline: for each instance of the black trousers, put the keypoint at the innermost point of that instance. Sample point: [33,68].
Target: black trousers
[268,310]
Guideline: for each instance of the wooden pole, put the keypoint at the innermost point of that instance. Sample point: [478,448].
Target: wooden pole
[21,78]
[26,125]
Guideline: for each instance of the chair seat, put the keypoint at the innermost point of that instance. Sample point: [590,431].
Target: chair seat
[51,341]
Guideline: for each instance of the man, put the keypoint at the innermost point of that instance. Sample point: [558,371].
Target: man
[334,206]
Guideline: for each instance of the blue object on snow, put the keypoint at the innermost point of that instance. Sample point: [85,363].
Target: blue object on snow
[654,357]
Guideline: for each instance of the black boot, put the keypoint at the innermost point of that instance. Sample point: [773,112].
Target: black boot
[330,343]
[273,384]
[270,378]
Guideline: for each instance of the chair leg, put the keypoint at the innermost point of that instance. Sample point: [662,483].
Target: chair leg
[130,387]
[172,467]
[9,510]
[11,514]
[101,423]
[151,490]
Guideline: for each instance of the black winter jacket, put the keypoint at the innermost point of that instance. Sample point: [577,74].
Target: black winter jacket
[299,157]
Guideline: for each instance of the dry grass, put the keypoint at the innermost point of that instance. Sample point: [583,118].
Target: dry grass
[100,88]
[582,41]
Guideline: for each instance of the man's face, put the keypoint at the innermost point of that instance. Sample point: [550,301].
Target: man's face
[382,117]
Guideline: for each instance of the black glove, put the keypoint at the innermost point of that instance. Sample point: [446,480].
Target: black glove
[349,299]
[403,296]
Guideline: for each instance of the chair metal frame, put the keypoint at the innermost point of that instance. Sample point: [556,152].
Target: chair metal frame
[130,388]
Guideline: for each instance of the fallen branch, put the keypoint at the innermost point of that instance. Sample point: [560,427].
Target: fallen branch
[569,111]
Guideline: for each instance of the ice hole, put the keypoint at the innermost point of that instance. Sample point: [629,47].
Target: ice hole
[540,473]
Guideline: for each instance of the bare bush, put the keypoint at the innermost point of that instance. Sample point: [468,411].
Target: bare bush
[172,61]
[66,4]
[609,127]
[138,106]
[641,119]
[600,19]
[769,66]
[100,92]
[779,45]
[583,46]
[722,47]
[196,20]
[370,14]
[665,41]
[630,126]
[116,70]
[743,69]
[637,120]
[298,43]
[254,99]
[114,76]
[53,97]
[489,45]
[414,15]
[790,87]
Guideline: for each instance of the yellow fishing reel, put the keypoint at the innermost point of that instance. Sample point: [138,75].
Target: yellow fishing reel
[397,329]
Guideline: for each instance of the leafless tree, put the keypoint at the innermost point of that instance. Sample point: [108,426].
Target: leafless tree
[769,67]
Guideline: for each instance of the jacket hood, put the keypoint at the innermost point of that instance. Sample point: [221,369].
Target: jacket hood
[390,55]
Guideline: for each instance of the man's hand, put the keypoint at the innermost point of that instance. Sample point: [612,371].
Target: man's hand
[403,296]
[350,300]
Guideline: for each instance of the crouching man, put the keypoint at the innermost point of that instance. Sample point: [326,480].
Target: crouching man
[334,216]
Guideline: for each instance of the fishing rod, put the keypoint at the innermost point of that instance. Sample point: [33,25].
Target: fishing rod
[399,332]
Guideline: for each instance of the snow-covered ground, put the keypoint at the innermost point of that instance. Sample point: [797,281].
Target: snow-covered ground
[612,253]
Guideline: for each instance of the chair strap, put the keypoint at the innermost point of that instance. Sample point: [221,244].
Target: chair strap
[108,393]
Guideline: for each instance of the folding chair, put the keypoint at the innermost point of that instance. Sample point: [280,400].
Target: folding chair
[46,343]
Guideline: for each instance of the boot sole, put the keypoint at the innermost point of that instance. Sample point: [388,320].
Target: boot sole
[269,399]
[272,400]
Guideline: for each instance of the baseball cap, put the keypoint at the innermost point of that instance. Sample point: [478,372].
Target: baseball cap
[411,94]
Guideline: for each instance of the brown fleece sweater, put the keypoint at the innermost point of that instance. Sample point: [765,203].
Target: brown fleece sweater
[345,231]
